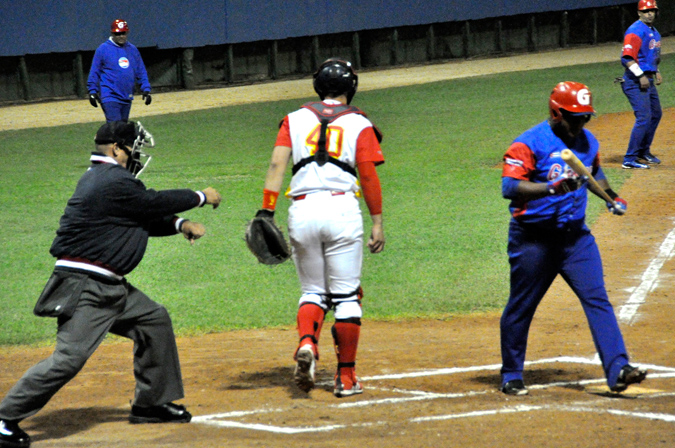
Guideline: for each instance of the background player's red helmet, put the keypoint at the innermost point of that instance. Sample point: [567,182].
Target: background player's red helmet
[119,26]
[645,5]
[572,97]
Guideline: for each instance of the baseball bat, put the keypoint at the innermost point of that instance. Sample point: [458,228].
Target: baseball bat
[579,168]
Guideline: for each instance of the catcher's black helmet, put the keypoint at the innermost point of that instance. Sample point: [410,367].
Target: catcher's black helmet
[335,77]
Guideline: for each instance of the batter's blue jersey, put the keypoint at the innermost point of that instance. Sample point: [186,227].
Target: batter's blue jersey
[535,156]
[642,43]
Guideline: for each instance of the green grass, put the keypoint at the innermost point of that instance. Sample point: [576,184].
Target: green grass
[445,220]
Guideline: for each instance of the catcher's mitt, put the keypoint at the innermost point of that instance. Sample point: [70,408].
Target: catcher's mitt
[265,240]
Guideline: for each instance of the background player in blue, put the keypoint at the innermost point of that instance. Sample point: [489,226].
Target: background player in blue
[641,56]
[115,70]
[548,236]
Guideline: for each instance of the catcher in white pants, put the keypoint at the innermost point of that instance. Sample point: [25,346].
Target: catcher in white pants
[329,142]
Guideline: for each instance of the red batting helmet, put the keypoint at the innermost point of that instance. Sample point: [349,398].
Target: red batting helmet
[645,5]
[572,97]
[119,26]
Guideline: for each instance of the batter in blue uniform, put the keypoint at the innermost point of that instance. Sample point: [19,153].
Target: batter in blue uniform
[548,236]
[641,56]
[115,70]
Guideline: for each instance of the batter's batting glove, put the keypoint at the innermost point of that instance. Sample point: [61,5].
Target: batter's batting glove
[619,208]
[94,99]
[147,98]
[565,183]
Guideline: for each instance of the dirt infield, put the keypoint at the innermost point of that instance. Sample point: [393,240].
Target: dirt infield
[428,383]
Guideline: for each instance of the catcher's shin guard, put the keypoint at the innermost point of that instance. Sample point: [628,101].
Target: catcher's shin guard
[346,334]
[310,320]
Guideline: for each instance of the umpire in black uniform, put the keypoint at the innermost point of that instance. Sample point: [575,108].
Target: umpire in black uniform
[102,236]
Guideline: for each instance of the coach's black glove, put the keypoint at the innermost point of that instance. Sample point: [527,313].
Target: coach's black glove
[147,98]
[94,99]
[265,240]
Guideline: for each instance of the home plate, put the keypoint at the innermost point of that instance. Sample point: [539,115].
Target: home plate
[631,392]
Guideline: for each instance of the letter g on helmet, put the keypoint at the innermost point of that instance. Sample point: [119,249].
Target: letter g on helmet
[119,26]
[572,97]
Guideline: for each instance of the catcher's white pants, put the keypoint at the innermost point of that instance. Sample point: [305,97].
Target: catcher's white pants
[326,232]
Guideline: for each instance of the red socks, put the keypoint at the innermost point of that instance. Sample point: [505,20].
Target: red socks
[346,337]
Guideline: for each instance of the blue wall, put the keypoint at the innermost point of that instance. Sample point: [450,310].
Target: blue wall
[61,26]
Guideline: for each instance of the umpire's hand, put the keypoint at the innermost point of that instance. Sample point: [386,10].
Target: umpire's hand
[192,230]
[212,196]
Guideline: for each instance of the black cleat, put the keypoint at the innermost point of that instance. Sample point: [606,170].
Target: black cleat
[515,387]
[166,413]
[629,375]
[11,436]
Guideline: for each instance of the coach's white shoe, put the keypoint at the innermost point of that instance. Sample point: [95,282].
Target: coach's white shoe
[304,369]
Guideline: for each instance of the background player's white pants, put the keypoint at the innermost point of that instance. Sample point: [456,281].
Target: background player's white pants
[326,233]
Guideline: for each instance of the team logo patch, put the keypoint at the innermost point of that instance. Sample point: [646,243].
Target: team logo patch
[123,62]
[555,171]
[654,44]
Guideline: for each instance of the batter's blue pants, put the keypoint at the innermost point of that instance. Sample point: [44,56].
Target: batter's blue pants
[647,109]
[537,256]
[116,111]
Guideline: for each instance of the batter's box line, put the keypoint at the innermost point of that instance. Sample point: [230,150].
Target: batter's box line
[209,420]
[649,279]
[670,418]
[456,370]
[218,419]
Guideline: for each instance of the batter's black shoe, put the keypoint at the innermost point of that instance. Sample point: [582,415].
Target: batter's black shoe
[166,413]
[515,387]
[11,436]
[629,375]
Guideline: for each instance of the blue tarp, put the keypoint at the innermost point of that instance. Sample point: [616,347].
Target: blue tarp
[44,26]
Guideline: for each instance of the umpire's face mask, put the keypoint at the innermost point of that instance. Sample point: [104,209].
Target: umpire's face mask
[138,159]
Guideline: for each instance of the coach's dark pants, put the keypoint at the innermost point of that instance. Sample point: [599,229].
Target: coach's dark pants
[118,308]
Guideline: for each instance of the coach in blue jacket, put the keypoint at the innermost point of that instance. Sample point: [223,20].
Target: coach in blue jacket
[116,68]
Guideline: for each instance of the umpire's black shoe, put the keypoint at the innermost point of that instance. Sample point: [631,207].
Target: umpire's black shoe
[11,436]
[166,413]
[515,387]
[629,375]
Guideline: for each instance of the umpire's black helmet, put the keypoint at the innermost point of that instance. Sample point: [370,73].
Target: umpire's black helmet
[335,77]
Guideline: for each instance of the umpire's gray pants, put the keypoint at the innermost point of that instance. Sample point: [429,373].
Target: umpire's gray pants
[116,308]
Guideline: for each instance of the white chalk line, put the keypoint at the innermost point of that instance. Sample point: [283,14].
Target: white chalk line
[670,418]
[649,281]
[526,408]
[219,420]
